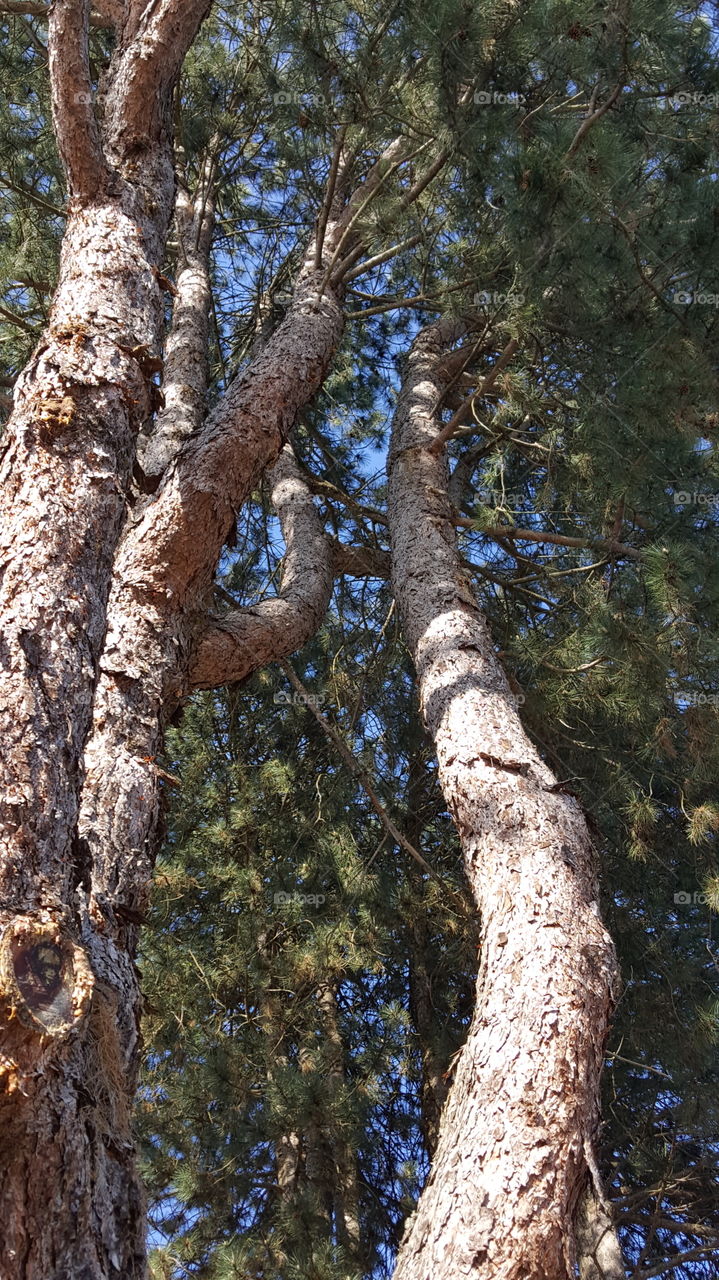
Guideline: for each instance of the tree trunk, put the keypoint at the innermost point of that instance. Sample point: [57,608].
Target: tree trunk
[345,1183]
[72,1205]
[518,1126]
[97,651]
[599,1253]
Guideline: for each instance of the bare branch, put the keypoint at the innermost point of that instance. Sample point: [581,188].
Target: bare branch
[502,531]
[186,372]
[423,182]
[457,419]
[76,128]
[329,197]
[384,256]
[246,639]
[593,119]
[324,488]
[674,1262]
[359,562]
[342,235]
[13,318]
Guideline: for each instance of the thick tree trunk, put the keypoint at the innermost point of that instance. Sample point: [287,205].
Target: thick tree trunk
[69,1207]
[518,1126]
[72,1206]
[101,610]
[161,580]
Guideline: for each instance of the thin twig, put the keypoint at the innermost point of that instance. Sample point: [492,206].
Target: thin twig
[592,119]
[329,196]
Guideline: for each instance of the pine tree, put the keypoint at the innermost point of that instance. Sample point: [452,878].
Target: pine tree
[534,183]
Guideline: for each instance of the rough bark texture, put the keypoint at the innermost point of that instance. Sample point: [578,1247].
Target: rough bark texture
[598,1250]
[521,1116]
[165,563]
[186,368]
[69,998]
[103,598]
[162,579]
[89,667]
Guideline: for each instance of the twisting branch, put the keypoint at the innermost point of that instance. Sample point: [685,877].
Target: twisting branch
[246,639]
[76,128]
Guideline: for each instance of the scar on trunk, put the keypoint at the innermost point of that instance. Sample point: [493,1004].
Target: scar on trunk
[45,978]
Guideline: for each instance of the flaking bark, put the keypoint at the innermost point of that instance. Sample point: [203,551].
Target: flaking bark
[72,1205]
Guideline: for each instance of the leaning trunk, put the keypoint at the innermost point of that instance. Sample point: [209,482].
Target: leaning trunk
[517,1130]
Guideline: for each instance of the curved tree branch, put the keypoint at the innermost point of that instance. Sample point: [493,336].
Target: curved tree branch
[247,639]
[164,568]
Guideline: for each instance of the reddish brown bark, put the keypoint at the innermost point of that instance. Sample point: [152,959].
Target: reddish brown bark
[71,1201]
